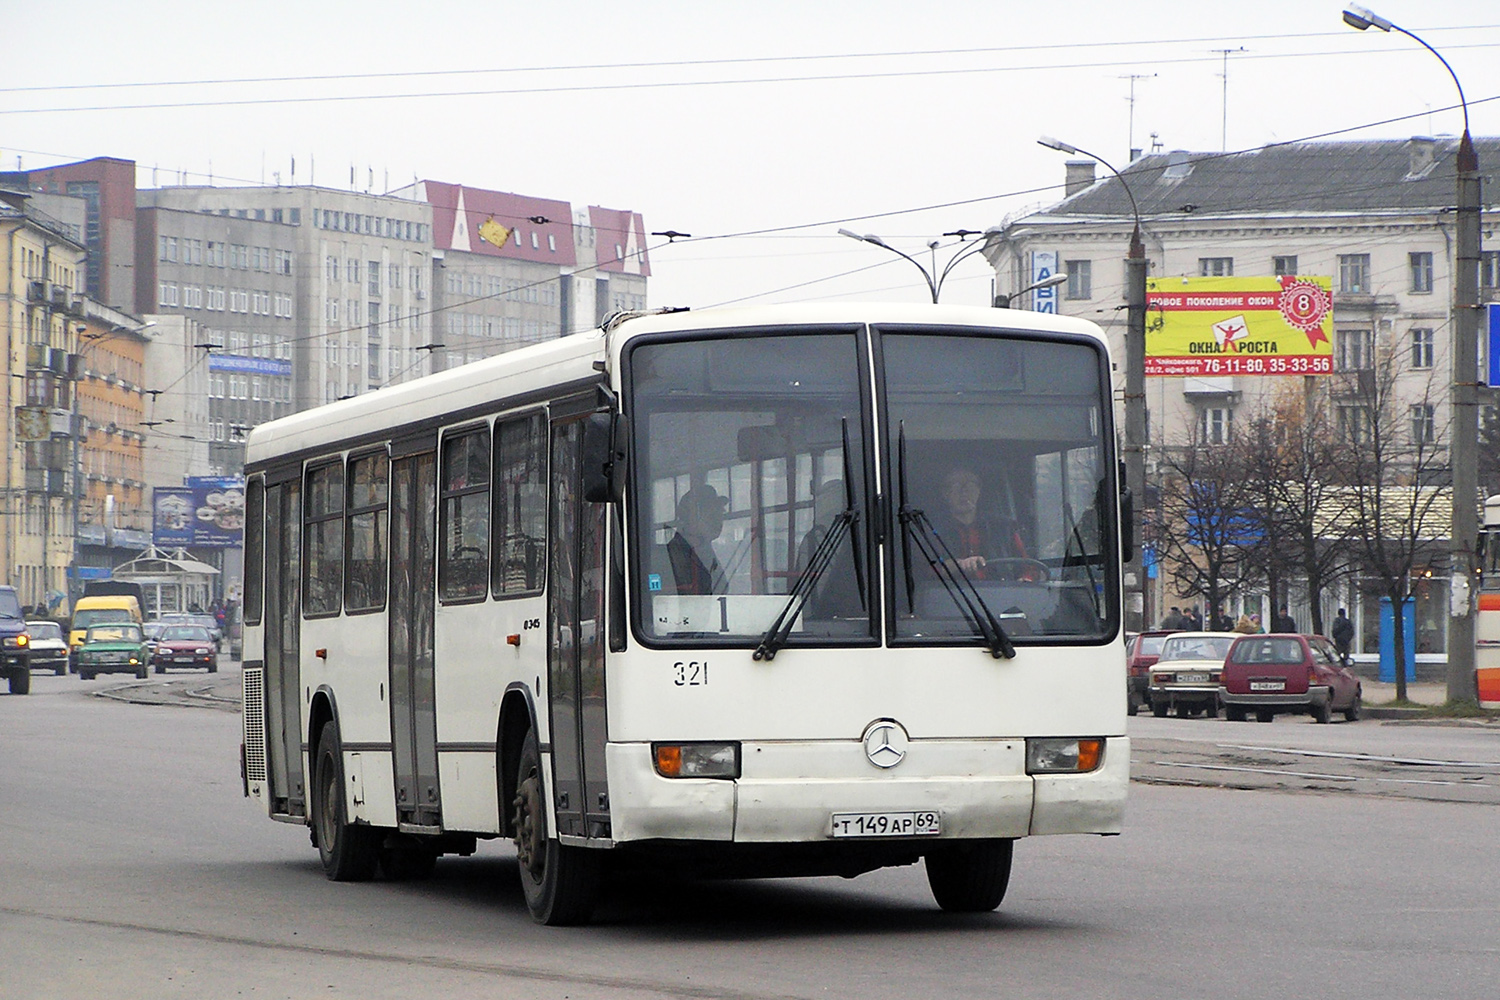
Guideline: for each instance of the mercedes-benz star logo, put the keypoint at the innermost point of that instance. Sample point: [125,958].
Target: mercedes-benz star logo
[885,743]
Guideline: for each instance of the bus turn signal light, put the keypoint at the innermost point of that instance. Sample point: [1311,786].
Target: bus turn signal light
[697,760]
[1063,756]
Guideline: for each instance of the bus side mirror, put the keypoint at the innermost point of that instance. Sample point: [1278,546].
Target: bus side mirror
[604,437]
[1127,524]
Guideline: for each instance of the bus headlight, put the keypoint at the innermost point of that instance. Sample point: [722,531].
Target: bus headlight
[696,760]
[1063,756]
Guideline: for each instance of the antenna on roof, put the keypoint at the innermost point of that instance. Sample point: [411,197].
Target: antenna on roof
[1135,154]
[1224,125]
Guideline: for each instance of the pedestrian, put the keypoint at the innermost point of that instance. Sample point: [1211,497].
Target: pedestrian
[1245,626]
[1343,635]
[1255,620]
[1222,622]
[1283,622]
[1173,621]
[1195,619]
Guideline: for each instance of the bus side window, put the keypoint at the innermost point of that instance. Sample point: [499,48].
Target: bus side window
[464,539]
[520,511]
[323,565]
[366,542]
[255,548]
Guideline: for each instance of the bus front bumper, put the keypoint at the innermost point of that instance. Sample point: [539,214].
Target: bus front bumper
[789,792]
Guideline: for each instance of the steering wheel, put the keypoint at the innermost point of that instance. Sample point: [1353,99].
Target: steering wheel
[1022,570]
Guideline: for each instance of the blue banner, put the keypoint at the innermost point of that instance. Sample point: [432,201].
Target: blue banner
[209,512]
[253,366]
[1493,350]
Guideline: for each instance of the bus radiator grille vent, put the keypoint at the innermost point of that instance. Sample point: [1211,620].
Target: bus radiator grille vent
[255,725]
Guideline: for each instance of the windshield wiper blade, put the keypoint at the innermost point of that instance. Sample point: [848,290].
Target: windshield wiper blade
[817,564]
[916,527]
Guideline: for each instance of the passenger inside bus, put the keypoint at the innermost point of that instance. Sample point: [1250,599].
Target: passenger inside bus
[981,538]
[690,552]
[836,594]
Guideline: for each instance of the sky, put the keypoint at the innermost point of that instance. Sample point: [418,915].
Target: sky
[760,129]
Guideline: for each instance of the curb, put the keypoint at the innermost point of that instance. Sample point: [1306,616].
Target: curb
[1377,712]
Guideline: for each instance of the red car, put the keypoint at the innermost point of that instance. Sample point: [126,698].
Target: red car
[1267,674]
[185,646]
[1140,654]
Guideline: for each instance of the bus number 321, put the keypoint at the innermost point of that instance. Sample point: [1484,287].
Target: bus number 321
[693,673]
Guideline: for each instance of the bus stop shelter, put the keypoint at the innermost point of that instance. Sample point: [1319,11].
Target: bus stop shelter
[170,580]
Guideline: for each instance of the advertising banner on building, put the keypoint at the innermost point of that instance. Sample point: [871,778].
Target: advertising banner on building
[209,512]
[1209,327]
[1043,266]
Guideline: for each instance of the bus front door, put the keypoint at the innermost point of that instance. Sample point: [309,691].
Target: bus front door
[413,714]
[283,617]
[575,606]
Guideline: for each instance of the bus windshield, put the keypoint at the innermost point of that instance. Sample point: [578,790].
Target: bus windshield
[996,458]
[999,493]
[740,473]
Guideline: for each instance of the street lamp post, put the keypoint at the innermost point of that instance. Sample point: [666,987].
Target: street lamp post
[1135,385]
[1463,447]
[933,277]
[1003,300]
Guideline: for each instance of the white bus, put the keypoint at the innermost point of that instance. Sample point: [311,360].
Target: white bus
[762,592]
[1487,621]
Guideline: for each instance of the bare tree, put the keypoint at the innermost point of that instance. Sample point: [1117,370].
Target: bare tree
[1206,528]
[1291,461]
[1396,477]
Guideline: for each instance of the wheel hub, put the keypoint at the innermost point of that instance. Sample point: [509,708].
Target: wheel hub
[530,848]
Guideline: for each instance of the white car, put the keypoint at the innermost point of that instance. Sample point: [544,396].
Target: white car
[49,650]
[1185,678]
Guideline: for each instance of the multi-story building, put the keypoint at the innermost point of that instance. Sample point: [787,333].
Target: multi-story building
[114,503]
[361,267]
[511,270]
[237,278]
[1376,217]
[106,187]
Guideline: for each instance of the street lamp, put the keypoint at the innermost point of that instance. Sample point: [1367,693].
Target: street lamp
[1003,301]
[933,277]
[1464,446]
[1135,379]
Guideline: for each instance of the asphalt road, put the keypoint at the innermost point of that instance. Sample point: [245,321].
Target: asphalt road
[134,869]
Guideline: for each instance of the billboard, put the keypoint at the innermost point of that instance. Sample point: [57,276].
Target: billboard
[1043,266]
[1208,327]
[208,512]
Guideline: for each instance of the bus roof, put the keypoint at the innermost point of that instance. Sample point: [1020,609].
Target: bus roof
[577,360]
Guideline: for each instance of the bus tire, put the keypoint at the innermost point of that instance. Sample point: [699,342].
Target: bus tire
[560,882]
[349,852]
[970,876]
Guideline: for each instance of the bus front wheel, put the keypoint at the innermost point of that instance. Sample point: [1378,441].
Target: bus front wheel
[561,882]
[349,852]
[970,876]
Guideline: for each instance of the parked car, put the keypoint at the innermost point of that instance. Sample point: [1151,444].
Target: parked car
[1271,674]
[49,649]
[1185,677]
[15,643]
[1141,651]
[184,646]
[193,618]
[114,647]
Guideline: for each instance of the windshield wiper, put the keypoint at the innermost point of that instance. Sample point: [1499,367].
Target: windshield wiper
[817,564]
[1083,555]
[915,527]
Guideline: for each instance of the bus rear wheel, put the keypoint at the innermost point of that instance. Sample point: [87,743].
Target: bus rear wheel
[349,853]
[560,882]
[970,876]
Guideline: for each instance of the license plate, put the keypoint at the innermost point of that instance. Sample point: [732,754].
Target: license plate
[1268,685]
[182,659]
[1192,678]
[894,824]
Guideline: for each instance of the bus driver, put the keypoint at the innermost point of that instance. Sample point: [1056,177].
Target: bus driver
[973,535]
[700,520]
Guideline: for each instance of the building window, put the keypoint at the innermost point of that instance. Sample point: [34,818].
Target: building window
[372,272]
[1284,265]
[1080,278]
[1354,423]
[1354,273]
[1354,351]
[1421,271]
[1216,267]
[1421,348]
[1489,269]
[1422,419]
[1218,422]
